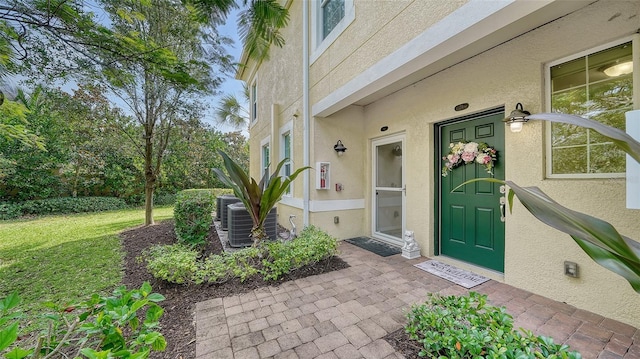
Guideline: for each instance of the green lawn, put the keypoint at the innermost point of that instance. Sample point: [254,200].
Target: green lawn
[64,258]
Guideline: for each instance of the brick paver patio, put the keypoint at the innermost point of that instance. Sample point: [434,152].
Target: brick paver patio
[344,314]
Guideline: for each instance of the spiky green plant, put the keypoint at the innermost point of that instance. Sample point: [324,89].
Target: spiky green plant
[258,197]
[597,238]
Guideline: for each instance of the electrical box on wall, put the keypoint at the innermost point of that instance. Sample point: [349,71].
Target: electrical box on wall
[323,175]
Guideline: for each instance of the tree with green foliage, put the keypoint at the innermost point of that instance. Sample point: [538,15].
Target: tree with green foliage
[85,155]
[162,97]
[34,171]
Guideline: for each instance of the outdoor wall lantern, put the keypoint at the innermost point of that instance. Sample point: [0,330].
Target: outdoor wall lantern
[339,147]
[517,118]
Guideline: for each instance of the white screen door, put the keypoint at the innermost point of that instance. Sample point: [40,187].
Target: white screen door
[388,189]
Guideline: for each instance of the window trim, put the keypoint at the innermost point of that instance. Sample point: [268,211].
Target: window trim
[266,142]
[547,125]
[284,130]
[318,44]
[253,102]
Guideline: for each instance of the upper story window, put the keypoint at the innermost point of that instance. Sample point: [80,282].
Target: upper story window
[332,13]
[286,153]
[253,100]
[329,19]
[598,85]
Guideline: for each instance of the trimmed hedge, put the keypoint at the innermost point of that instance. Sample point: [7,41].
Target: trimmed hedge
[215,192]
[60,206]
[9,210]
[192,214]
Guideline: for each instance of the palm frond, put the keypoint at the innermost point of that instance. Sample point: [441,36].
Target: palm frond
[231,112]
[597,238]
[259,27]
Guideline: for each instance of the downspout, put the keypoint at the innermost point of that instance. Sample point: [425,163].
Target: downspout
[305,112]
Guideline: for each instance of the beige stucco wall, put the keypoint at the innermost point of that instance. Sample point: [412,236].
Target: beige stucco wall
[505,75]
[349,170]
[379,28]
[279,83]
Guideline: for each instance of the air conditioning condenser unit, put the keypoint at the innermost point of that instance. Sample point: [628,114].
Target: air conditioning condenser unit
[240,224]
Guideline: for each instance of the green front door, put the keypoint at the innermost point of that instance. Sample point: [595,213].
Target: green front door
[471,217]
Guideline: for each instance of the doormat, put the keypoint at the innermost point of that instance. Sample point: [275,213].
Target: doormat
[456,275]
[379,248]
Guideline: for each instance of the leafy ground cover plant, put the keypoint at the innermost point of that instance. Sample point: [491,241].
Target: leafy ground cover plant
[456,327]
[271,260]
[123,325]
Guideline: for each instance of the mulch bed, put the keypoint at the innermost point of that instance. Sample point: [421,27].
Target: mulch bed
[178,319]
[400,341]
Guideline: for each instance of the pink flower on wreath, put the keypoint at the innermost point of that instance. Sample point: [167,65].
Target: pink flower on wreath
[483,158]
[468,156]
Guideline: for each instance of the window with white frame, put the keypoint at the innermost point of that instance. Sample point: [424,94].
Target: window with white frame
[598,85]
[332,13]
[253,100]
[329,19]
[265,159]
[286,153]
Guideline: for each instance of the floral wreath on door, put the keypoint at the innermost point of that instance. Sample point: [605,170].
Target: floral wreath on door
[466,152]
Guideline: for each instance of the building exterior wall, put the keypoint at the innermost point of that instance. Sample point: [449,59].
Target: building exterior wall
[534,252]
[504,75]
[379,28]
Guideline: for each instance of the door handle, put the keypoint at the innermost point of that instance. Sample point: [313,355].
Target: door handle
[503,205]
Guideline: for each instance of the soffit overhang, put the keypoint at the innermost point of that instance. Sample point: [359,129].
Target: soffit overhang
[477,26]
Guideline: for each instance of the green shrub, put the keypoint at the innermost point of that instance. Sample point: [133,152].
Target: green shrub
[192,214]
[215,192]
[9,210]
[312,246]
[271,260]
[466,327]
[71,205]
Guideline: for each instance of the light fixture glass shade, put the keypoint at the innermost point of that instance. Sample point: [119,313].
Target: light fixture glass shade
[517,118]
[516,126]
[620,69]
[339,148]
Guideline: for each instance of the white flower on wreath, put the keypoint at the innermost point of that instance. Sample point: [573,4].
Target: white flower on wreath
[471,147]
